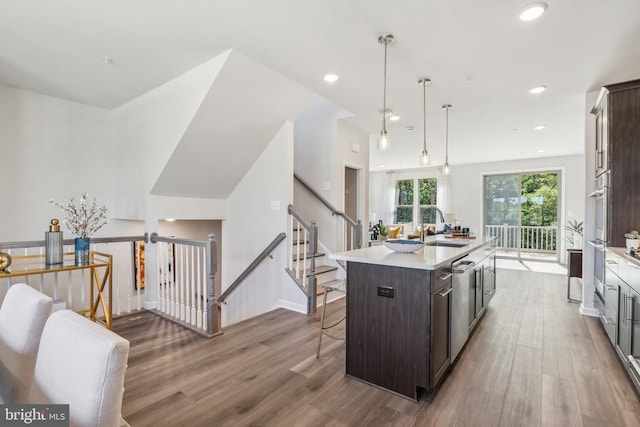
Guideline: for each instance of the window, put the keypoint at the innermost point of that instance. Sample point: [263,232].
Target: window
[428,196]
[409,209]
[404,202]
[521,210]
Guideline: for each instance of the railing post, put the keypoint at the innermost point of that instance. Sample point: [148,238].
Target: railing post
[212,269]
[359,234]
[311,287]
[505,235]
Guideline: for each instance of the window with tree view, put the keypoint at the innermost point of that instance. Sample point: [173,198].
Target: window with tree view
[405,204]
[404,201]
[428,196]
[521,210]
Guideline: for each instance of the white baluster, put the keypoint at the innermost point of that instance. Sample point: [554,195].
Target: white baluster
[205,292]
[187,290]
[183,282]
[290,251]
[199,288]
[69,291]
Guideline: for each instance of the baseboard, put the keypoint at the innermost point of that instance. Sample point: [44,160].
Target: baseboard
[150,305]
[290,305]
[588,311]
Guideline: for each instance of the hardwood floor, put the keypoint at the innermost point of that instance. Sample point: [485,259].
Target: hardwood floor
[532,361]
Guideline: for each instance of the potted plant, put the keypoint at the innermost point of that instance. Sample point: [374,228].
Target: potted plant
[383,232]
[633,239]
[574,233]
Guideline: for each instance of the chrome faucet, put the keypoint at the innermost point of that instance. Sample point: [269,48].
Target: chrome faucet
[423,233]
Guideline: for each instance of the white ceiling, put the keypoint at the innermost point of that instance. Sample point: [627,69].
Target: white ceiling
[479,57]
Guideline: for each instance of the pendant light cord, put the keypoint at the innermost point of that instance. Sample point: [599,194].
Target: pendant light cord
[446,159]
[384,93]
[424,110]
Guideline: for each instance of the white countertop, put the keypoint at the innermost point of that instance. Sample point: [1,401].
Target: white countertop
[427,258]
[624,252]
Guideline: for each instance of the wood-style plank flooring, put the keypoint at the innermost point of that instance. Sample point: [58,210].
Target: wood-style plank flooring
[532,361]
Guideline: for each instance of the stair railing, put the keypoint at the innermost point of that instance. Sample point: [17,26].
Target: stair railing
[68,288]
[266,253]
[302,251]
[351,229]
[186,272]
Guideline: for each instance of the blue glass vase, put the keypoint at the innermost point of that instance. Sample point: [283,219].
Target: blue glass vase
[82,250]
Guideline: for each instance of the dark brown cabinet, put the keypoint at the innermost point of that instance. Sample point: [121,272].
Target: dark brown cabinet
[618,123]
[398,326]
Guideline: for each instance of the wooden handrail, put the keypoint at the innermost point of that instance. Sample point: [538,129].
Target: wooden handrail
[325,202]
[263,255]
[355,225]
[41,243]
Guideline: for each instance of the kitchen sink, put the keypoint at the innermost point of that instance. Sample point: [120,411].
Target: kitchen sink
[447,244]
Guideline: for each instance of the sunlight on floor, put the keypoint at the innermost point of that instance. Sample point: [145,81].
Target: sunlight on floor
[541,267]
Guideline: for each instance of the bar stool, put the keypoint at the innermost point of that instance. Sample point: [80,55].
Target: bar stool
[339,286]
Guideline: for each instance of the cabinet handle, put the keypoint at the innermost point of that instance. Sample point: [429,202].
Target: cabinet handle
[630,317]
[445,276]
[445,293]
[610,261]
[610,287]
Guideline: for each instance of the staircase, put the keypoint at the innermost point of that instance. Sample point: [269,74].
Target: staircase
[307,266]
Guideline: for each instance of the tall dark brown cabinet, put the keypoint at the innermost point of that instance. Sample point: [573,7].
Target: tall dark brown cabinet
[622,127]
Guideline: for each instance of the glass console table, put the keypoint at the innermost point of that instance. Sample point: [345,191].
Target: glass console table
[100,266]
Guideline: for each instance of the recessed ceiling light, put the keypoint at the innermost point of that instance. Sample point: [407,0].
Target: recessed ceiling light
[540,127]
[330,78]
[170,219]
[538,89]
[540,151]
[381,166]
[532,11]
[394,117]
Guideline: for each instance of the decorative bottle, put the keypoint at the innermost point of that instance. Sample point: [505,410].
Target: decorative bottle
[5,261]
[54,244]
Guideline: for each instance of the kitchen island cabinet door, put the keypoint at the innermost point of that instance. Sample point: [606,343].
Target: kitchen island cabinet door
[388,312]
[441,333]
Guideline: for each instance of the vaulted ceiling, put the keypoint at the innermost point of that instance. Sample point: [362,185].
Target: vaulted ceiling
[479,56]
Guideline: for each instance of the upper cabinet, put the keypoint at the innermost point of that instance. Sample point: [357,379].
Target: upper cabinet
[602,146]
[617,111]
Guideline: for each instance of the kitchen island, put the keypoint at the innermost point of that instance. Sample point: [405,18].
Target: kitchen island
[399,313]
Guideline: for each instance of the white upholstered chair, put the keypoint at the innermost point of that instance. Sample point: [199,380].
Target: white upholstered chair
[82,364]
[23,315]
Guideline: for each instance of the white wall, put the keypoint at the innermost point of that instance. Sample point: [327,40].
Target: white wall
[51,149]
[147,130]
[322,150]
[249,228]
[466,186]
[350,139]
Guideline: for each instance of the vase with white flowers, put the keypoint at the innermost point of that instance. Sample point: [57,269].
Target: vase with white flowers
[83,220]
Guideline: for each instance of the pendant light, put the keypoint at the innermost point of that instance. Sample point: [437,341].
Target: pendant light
[424,157]
[383,139]
[445,168]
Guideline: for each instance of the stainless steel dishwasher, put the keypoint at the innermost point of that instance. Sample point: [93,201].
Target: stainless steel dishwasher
[463,274]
